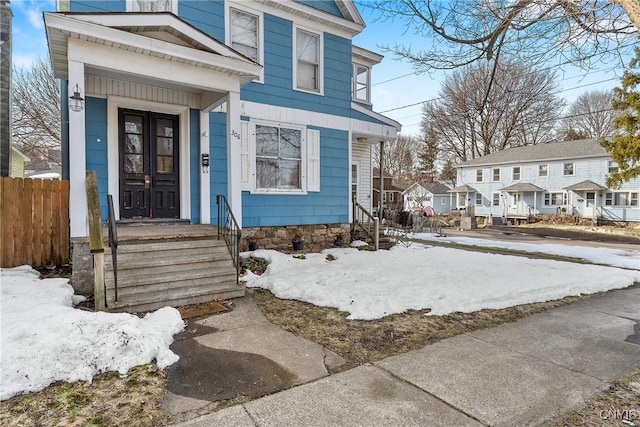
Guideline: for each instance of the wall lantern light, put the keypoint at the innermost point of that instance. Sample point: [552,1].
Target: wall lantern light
[76,102]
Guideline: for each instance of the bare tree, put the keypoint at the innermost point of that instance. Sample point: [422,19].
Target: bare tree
[461,32]
[589,116]
[36,111]
[473,118]
[399,158]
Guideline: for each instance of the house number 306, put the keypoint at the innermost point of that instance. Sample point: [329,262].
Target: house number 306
[235,134]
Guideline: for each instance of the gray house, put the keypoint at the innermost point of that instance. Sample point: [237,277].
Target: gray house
[564,177]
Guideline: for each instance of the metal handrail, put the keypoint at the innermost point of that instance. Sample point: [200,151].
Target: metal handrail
[113,244]
[366,222]
[230,230]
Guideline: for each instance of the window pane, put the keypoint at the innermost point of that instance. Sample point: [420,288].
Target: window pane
[165,146]
[266,141]
[542,170]
[164,127]
[307,76]
[133,163]
[244,33]
[152,6]
[267,173]
[362,83]
[290,143]
[289,174]
[308,46]
[164,164]
[134,144]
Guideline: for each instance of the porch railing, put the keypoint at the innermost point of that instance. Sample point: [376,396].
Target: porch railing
[364,221]
[113,244]
[229,230]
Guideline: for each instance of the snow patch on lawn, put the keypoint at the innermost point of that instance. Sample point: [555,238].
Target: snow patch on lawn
[44,339]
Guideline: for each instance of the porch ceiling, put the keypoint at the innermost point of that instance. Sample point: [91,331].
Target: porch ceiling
[161,36]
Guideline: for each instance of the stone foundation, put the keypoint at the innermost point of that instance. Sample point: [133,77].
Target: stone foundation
[316,237]
[82,267]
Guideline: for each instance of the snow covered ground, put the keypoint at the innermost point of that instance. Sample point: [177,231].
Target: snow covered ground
[44,339]
[371,285]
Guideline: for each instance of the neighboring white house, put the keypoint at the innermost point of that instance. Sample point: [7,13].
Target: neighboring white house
[420,195]
[563,177]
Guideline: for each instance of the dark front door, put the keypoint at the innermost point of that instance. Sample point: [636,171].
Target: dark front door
[149,184]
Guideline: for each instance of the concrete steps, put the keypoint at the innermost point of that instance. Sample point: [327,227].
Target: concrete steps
[153,273]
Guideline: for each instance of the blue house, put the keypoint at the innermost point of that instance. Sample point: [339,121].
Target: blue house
[173,102]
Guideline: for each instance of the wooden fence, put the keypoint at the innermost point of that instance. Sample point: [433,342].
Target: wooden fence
[34,222]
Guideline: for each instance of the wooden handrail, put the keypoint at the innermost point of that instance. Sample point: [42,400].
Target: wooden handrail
[371,226]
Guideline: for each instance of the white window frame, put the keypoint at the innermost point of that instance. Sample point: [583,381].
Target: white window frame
[443,201]
[493,174]
[479,199]
[307,156]
[551,198]
[546,171]
[612,198]
[479,175]
[354,87]
[612,166]
[495,199]
[516,176]
[320,89]
[130,6]
[565,169]
[260,15]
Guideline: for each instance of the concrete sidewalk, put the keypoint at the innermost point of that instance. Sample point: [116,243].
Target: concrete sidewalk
[531,372]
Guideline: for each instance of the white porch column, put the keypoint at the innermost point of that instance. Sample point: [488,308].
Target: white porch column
[234,187]
[77,157]
[205,178]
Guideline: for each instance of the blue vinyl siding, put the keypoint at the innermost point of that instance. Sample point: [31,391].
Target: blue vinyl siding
[207,16]
[218,153]
[96,143]
[278,73]
[194,164]
[325,6]
[328,206]
[98,6]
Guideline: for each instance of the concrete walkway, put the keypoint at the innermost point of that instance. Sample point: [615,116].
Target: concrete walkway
[531,372]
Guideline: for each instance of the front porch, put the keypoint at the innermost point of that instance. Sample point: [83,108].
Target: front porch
[166,264]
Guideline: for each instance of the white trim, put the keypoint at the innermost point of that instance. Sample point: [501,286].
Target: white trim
[313,160]
[113,163]
[257,111]
[227,35]
[205,172]
[78,210]
[294,55]
[377,116]
[360,55]
[312,17]
[62,30]
[234,186]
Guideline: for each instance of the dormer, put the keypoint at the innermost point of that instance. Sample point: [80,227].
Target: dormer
[363,60]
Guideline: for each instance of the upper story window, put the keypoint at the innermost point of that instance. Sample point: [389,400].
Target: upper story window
[612,166]
[152,6]
[245,34]
[479,175]
[515,173]
[361,82]
[308,63]
[543,170]
[567,169]
[496,174]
